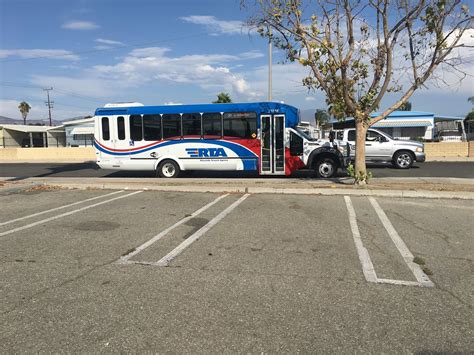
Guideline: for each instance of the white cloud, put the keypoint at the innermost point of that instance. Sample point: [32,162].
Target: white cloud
[252,55]
[39,53]
[87,86]
[310,98]
[171,103]
[80,25]
[148,65]
[109,42]
[215,26]
[102,47]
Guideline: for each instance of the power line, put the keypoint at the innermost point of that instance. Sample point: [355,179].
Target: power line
[67,93]
[79,96]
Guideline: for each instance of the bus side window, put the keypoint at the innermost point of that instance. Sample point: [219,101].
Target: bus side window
[152,127]
[121,128]
[105,129]
[136,127]
[240,125]
[212,125]
[192,124]
[172,126]
[296,144]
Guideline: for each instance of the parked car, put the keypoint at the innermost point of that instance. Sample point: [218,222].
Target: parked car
[381,147]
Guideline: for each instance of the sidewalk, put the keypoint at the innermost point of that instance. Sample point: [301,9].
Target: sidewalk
[450,159]
[387,187]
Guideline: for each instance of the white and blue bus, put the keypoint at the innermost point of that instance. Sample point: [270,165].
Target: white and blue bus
[261,136]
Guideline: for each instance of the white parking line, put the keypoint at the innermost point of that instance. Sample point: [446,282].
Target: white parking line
[57,208]
[165,261]
[125,258]
[66,214]
[420,276]
[364,257]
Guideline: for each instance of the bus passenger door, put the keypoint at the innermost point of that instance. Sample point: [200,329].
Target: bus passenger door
[272,136]
[118,140]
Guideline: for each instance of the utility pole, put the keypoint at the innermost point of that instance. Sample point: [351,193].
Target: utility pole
[270,65]
[49,103]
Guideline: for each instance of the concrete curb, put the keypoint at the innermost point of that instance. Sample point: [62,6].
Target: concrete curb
[323,188]
[449,159]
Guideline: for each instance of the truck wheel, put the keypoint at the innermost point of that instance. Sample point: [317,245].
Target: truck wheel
[402,160]
[325,168]
[168,169]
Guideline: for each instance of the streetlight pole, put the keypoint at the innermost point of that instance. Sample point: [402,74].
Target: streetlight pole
[270,64]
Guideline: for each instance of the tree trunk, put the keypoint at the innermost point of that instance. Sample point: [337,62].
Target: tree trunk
[360,168]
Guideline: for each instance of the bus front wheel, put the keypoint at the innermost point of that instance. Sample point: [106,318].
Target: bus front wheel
[325,168]
[168,169]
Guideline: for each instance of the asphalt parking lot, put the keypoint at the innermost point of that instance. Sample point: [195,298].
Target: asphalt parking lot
[134,271]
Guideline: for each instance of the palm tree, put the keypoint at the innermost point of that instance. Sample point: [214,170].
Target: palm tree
[321,117]
[24,109]
[406,106]
[222,98]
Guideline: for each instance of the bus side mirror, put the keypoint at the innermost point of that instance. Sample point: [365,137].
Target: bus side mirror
[332,136]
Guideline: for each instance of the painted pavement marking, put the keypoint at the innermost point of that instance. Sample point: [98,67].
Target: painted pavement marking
[364,257]
[125,258]
[165,261]
[43,221]
[58,208]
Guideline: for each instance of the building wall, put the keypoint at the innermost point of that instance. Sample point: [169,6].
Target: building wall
[79,140]
[447,149]
[56,139]
[63,155]
[13,138]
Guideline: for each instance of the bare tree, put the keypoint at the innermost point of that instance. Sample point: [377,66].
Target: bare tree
[358,51]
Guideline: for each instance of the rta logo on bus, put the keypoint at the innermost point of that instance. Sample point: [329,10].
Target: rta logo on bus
[206,152]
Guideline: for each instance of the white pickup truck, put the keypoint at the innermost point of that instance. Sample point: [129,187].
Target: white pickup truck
[381,147]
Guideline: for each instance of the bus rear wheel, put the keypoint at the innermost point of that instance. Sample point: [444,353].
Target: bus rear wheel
[168,169]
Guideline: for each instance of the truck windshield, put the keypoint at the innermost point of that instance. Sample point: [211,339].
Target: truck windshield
[305,135]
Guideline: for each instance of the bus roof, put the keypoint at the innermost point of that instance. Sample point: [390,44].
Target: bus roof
[258,107]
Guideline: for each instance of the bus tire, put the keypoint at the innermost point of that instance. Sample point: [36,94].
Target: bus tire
[325,167]
[168,169]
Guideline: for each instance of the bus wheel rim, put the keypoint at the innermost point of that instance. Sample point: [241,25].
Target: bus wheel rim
[168,170]
[326,169]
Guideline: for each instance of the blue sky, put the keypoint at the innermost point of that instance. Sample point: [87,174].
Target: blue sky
[155,52]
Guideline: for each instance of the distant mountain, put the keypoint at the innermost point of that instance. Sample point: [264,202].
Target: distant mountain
[8,120]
